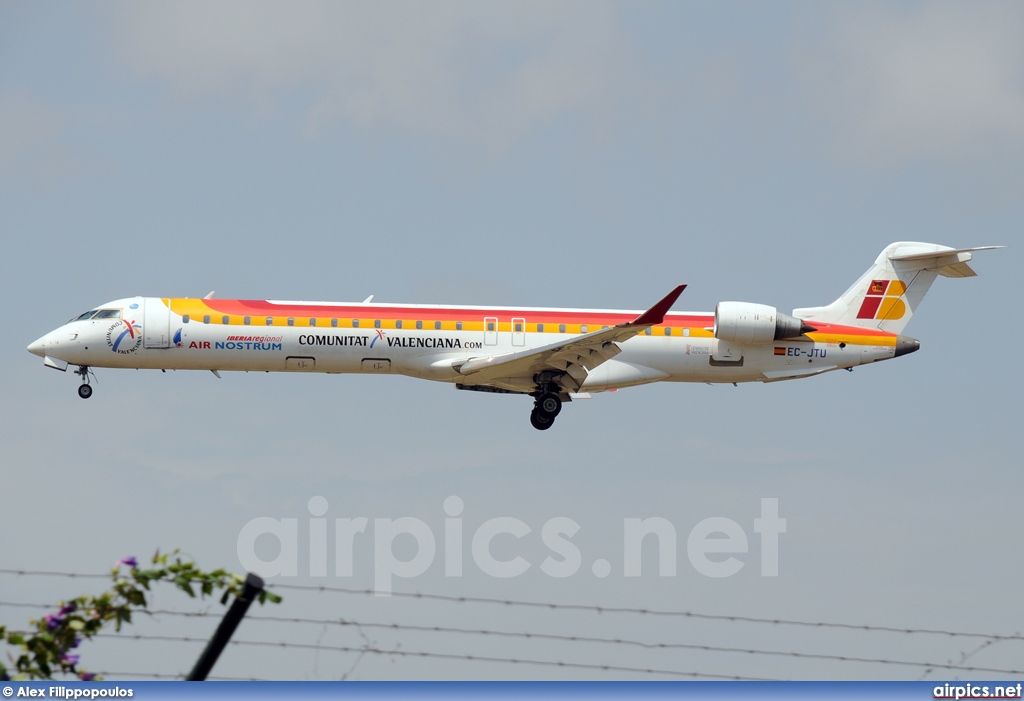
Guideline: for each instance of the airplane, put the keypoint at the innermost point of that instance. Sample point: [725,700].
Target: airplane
[552,355]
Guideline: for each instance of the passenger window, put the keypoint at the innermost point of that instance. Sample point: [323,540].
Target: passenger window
[437,325]
[206,319]
[419,324]
[225,320]
[185,319]
[648,331]
[519,327]
[490,326]
[376,323]
[668,331]
[561,328]
[540,328]
[458,326]
[334,323]
[686,331]
[291,321]
[398,324]
[312,322]
[246,320]
[270,321]
[583,329]
[355,323]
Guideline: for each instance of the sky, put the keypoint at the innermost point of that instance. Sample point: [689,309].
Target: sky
[570,154]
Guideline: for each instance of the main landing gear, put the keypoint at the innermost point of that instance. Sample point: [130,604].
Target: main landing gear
[84,389]
[545,408]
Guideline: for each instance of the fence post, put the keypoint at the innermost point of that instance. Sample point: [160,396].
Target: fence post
[252,588]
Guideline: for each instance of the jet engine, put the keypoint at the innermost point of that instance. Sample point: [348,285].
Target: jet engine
[745,322]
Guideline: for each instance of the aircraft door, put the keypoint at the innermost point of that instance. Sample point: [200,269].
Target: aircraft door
[519,332]
[156,322]
[491,331]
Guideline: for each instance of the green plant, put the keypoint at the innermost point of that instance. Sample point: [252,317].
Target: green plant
[53,643]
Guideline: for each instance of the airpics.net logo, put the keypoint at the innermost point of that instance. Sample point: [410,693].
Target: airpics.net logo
[714,547]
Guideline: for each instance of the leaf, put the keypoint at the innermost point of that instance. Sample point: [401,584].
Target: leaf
[185,584]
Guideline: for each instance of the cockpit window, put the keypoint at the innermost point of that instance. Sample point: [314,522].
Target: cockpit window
[87,315]
[108,314]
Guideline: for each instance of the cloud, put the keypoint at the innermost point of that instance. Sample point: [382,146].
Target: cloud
[937,82]
[483,71]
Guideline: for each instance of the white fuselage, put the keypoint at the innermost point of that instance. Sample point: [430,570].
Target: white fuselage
[368,339]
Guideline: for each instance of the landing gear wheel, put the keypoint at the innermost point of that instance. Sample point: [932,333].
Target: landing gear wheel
[539,422]
[549,404]
[84,390]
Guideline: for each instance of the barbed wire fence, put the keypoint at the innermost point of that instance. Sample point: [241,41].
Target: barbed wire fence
[573,642]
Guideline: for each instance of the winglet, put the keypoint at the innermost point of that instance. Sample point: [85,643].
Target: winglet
[656,314]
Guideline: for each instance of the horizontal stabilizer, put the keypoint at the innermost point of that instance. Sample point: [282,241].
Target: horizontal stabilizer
[949,262]
[943,252]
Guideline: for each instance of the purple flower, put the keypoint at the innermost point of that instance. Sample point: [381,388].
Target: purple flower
[76,643]
[129,561]
[52,621]
[69,659]
[68,608]
[86,676]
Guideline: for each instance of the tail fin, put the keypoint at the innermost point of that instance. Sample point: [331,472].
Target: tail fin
[886,296]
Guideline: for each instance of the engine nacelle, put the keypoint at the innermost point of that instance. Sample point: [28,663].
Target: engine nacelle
[745,322]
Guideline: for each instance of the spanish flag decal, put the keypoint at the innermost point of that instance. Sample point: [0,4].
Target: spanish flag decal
[780,351]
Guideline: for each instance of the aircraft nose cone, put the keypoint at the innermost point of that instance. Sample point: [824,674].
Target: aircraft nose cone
[38,347]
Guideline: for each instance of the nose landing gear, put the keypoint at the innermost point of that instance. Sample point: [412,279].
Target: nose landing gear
[546,407]
[85,389]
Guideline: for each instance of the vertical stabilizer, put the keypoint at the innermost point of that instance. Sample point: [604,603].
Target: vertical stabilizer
[888,294]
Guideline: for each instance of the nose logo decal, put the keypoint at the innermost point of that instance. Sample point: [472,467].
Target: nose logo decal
[124,336]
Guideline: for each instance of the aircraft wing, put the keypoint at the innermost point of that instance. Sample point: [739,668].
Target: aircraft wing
[575,357]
